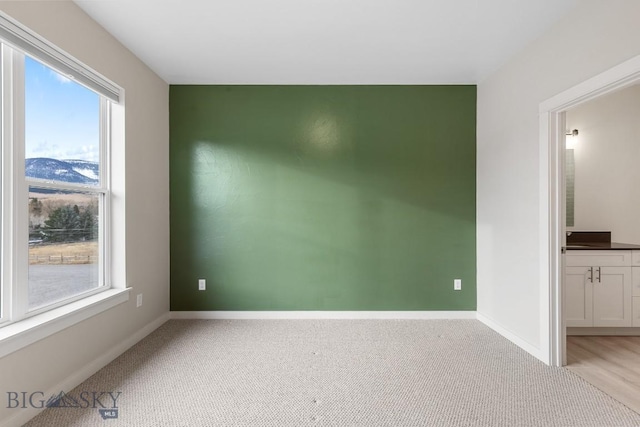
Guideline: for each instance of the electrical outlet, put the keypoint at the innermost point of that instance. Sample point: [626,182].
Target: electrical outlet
[202,285]
[139,300]
[457,284]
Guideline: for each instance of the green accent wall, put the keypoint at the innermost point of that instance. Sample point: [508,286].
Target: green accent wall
[323,197]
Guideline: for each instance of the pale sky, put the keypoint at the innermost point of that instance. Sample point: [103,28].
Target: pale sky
[61,116]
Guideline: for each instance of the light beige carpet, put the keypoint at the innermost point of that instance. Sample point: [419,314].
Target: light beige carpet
[337,373]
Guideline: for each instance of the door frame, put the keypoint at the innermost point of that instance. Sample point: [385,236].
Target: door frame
[552,198]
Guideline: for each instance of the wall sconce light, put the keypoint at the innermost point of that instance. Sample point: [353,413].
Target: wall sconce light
[572,138]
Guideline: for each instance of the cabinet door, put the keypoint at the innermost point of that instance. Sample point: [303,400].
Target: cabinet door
[578,297]
[635,278]
[636,312]
[612,302]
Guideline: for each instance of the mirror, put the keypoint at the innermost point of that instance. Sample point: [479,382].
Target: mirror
[570,186]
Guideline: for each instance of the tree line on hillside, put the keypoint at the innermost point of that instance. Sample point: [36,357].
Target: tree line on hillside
[67,223]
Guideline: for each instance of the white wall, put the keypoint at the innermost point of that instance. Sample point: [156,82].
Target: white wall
[52,361]
[594,37]
[607,159]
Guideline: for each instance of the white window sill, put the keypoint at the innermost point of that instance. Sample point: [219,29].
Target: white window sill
[18,335]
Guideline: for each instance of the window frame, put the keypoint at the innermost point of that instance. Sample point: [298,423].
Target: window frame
[14,185]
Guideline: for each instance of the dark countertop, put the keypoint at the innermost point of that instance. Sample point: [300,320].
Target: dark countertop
[599,246]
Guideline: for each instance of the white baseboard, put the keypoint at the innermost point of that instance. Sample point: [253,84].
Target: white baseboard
[313,314]
[529,348]
[621,331]
[24,415]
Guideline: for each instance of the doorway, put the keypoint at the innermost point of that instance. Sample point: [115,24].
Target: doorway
[602,226]
[552,191]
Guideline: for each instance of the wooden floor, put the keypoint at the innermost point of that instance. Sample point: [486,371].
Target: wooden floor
[612,364]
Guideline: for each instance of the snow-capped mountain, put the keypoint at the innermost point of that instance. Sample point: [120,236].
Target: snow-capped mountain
[72,171]
[86,168]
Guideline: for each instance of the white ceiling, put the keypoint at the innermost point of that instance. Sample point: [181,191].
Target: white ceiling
[325,41]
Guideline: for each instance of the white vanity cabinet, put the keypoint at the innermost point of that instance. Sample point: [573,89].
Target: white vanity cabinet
[635,273]
[636,296]
[599,288]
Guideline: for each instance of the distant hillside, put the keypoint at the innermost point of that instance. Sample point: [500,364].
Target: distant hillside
[72,171]
[86,168]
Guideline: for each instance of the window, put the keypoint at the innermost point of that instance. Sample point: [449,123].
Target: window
[54,177]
